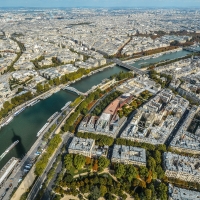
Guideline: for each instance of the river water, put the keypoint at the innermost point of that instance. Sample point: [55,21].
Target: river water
[169,56]
[25,126]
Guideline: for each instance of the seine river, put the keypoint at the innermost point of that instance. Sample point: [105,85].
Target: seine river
[25,126]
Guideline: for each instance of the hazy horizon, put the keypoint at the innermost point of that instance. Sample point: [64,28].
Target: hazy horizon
[100,3]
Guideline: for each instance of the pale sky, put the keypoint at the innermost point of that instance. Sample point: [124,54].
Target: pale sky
[100,3]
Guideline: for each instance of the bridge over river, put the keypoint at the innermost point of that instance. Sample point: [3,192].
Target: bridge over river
[125,65]
[72,89]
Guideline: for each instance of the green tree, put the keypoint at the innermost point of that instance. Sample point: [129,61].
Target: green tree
[160,172]
[120,170]
[103,190]
[143,171]
[57,197]
[162,191]
[46,87]
[68,161]
[95,193]
[68,178]
[39,87]
[157,156]
[103,162]
[148,194]
[56,81]
[161,147]
[136,196]
[24,196]
[131,172]
[51,82]
[109,196]
[151,163]
[84,111]
[6,104]
[79,161]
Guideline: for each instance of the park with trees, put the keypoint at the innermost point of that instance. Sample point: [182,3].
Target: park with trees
[86,178]
[127,109]
[122,75]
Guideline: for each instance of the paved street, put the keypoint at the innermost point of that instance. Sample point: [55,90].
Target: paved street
[48,190]
[38,184]
[18,173]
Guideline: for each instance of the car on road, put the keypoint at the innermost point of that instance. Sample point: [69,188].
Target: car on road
[28,167]
[26,170]
[3,195]
[37,153]
[19,180]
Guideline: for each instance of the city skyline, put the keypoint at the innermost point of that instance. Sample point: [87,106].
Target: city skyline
[102,3]
[90,87]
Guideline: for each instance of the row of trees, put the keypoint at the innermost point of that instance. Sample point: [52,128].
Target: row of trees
[185,184]
[76,101]
[174,60]
[8,106]
[49,177]
[62,80]
[36,61]
[100,140]
[46,136]
[150,147]
[22,49]
[158,50]
[42,163]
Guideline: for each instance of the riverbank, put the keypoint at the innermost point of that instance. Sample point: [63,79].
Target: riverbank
[25,126]
[131,61]
[50,93]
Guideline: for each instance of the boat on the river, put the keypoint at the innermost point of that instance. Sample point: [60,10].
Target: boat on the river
[66,106]
[19,111]
[53,117]
[7,121]
[42,129]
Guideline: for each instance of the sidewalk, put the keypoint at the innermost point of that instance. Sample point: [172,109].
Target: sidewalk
[25,185]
